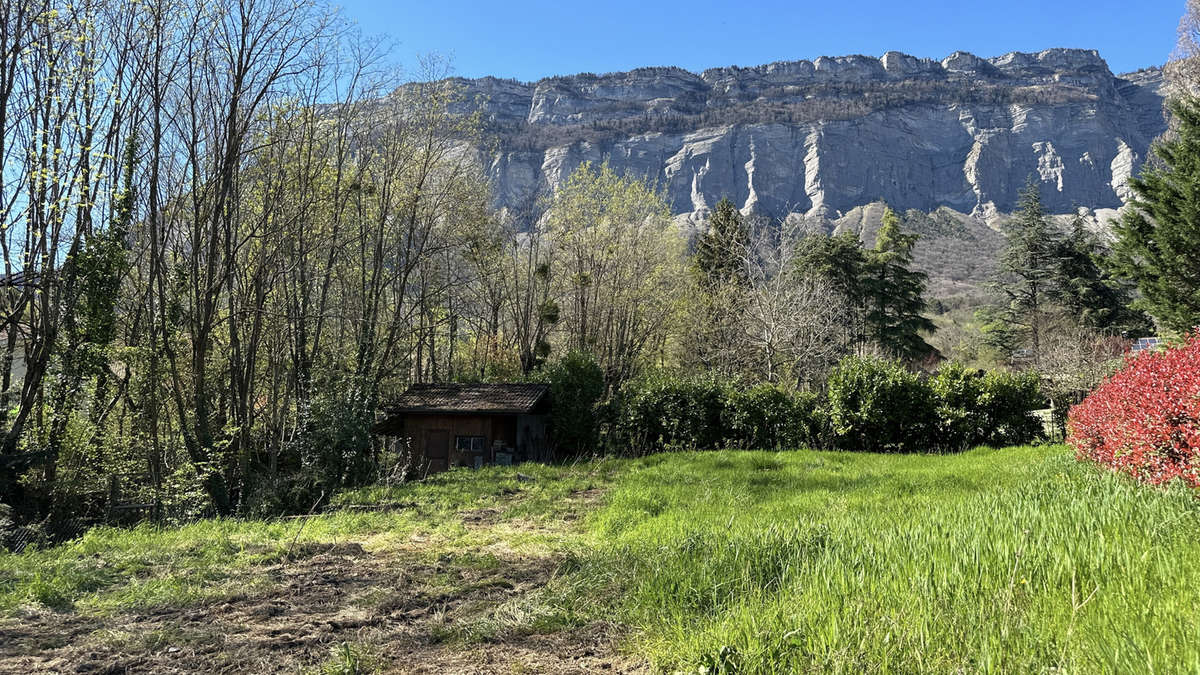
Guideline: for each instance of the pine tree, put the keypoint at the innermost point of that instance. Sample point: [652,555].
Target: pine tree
[720,251]
[1158,239]
[1088,292]
[1026,276]
[895,293]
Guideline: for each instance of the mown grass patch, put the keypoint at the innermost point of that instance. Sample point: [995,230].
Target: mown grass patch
[116,569]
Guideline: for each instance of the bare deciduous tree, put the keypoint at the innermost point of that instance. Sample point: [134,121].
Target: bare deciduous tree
[782,324]
[619,260]
[1182,71]
[795,325]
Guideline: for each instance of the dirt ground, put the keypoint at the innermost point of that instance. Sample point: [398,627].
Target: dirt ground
[385,606]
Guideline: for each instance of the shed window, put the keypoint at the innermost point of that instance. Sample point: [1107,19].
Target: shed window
[470,443]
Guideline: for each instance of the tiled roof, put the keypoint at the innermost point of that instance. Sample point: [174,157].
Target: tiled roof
[20,278]
[469,398]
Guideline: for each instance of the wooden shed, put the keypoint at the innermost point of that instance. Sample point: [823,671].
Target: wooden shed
[470,425]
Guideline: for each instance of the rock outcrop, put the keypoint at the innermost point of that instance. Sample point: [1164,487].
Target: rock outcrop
[821,138]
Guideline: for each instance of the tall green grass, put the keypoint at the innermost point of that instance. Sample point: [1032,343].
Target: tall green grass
[1014,560]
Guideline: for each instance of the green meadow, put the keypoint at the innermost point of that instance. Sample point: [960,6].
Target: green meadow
[995,560]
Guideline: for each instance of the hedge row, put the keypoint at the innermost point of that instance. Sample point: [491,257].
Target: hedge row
[672,413]
[1145,419]
[869,404]
[881,406]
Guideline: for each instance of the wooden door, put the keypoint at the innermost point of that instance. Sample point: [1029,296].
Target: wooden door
[437,449]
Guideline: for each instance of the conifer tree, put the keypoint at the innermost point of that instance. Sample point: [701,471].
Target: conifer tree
[720,252]
[1026,276]
[896,293]
[1158,239]
[1087,291]
[884,293]
[720,268]
[840,261]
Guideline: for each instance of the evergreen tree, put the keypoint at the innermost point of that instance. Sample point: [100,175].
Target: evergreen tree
[720,251]
[840,259]
[884,294]
[720,267]
[1088,292]
[1158,240]
[1028,270]
[895,293]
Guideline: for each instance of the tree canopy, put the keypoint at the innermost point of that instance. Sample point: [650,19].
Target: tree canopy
[896,293]
[721,250]
[1158,238]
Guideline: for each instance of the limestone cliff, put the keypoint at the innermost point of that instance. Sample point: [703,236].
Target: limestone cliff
[820,138]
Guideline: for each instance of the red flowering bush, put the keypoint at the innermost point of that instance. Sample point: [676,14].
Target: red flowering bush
[1145,419]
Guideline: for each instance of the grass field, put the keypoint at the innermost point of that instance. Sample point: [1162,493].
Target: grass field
[1010,560]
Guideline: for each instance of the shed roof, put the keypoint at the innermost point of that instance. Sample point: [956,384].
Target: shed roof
[502,399]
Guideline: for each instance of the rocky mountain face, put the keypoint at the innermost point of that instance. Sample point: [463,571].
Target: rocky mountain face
[818,139]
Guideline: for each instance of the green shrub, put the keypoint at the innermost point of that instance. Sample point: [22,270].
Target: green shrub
[973,408]
[872,405]
[665,412]
[877,405]
[576,389]
[767,417]
[333,442]
[272,495]
[961,421]
[184,498]
[1008,401]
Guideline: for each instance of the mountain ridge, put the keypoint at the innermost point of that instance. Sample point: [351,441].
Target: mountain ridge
[1083,57]
[816,139]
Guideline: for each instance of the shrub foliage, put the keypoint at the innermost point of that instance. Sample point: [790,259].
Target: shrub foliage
[878,405]
[769,417]
[1145,419]
[869,405]
[663,412]
[1006,402]
[576,388]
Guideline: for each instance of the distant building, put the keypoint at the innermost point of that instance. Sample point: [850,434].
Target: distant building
[1021,357]
[1147,344]
[470,425]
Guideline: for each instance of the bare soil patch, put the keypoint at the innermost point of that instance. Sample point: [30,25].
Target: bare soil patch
[591,649]
[397,606]
[480,517]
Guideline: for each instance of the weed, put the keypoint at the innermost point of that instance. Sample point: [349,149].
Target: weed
[349,659]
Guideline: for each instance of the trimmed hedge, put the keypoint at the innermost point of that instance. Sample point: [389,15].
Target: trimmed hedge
[961,421]
[973,408]
[1145,419]
[576,389]
[869,405]
[769,417]
[1008,401]
[879,405]
[662,412]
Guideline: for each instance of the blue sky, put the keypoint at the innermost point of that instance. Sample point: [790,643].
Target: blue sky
[530,39]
